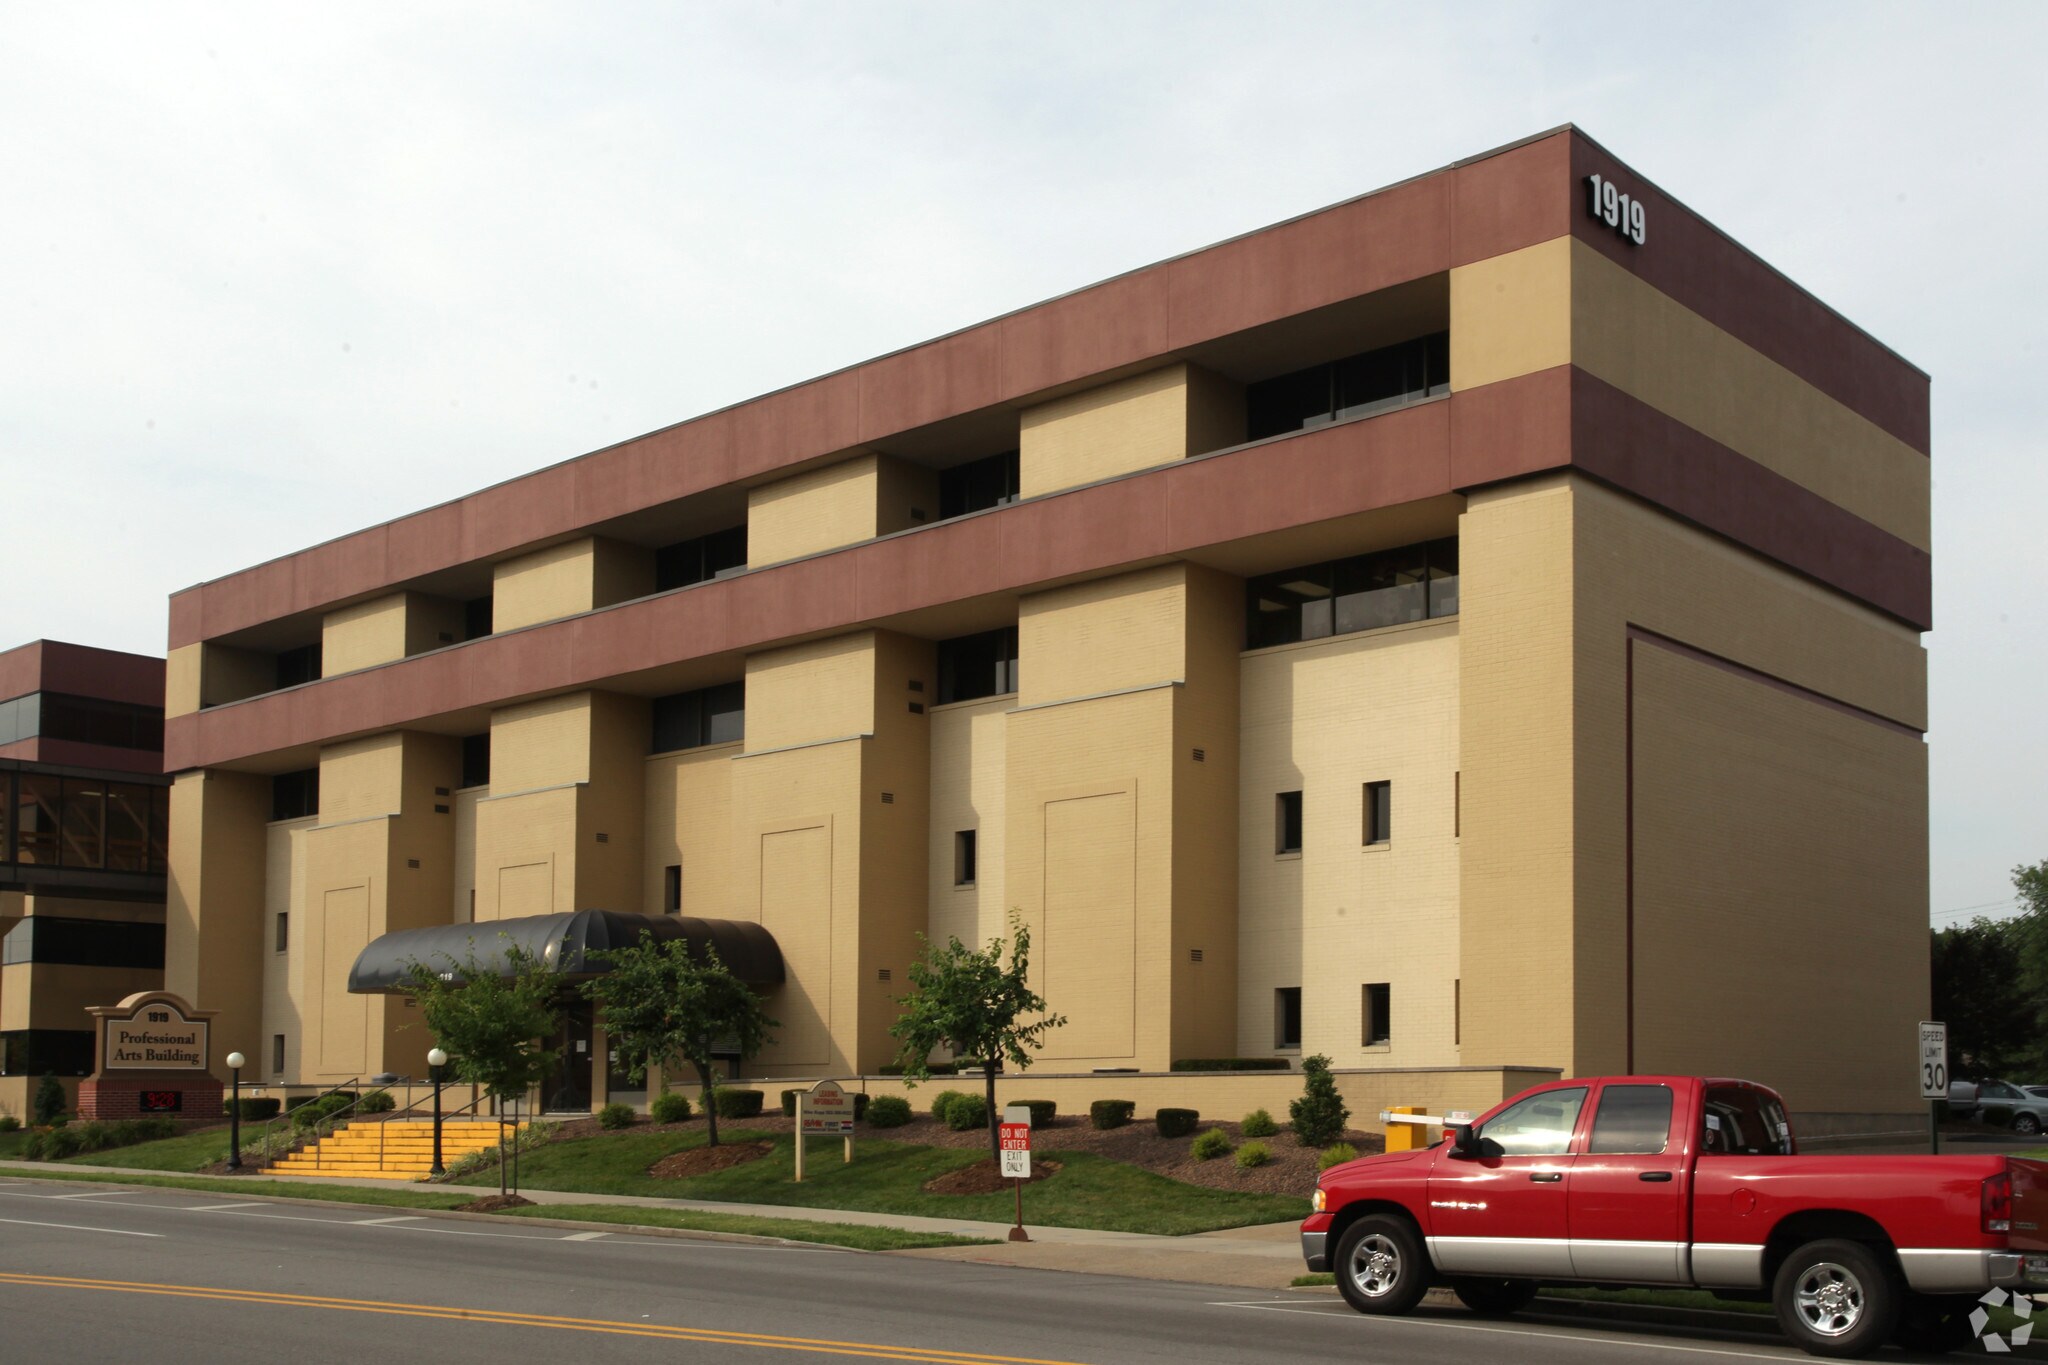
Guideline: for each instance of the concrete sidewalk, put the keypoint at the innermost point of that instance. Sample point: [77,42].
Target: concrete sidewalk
[1263,1257]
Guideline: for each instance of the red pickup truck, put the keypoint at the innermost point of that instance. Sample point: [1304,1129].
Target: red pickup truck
[1676,1181]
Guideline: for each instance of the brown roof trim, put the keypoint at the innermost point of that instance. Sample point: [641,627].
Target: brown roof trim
[82,671]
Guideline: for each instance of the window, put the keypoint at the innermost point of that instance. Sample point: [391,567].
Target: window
[62,941]
[700,559]
[477,617]
[1538,1126]
[1342,596]
[1372,381]
[1744,1122]
[284,932]
[963,857]
[1379,812]
[710,715]
[86,720]
[301,665]
[983,665]
[672,889]
[1457,804]
[46,1052]
[276,1055]
[1632,1120]
[978,484]
[1376,1007]
[1287,1017]
[476,760]
[1287,822]
[294,796]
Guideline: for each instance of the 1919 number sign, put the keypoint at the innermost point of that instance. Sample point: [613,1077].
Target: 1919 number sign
[1617,208]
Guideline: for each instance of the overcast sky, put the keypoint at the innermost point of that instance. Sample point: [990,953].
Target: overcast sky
[270,274]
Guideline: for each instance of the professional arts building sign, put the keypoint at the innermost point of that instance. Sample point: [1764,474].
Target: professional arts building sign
[154,1032]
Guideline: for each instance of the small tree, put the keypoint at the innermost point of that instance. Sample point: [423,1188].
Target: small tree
[2030,932]
[969,1000]
[1319,1115]
[663,1001]
[49,1102]
[491,1022]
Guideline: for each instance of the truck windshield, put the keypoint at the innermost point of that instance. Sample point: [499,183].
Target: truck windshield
[1743,1122]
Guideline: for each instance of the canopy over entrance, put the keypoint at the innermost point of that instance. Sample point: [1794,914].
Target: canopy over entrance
[569,944]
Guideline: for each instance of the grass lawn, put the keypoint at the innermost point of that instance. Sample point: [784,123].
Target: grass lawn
[1088,1192]
[794,1229]
[185,1152]
[12,1143]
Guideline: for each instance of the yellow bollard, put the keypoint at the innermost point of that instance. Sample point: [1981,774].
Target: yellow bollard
[1405,1137]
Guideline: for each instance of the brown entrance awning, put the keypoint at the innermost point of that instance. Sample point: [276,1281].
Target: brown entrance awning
[570,943]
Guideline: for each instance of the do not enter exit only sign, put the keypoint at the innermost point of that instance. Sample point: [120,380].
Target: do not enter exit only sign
[1014,1140]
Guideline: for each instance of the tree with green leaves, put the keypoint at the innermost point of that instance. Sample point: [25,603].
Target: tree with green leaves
[1975,974]
[665,1001]
[2031,936]
[1320,1114]
[491,1020]
[969,1000]
[49,1101]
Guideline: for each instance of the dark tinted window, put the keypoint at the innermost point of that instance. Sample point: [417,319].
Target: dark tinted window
[294,796]
[1371,381]
[46,1052]
[476,760]
[1378,1008]
[709,715]
[84,720]
[1743,1122]
[1363,592]
[1287,823]
[1287,1017]
[301,665]
[476,617]
[983,665]
[84,943]
[1379,812]
[978,484]
[700,558]
[1632,1119]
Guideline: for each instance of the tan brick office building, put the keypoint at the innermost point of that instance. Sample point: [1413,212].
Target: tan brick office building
[1446,631]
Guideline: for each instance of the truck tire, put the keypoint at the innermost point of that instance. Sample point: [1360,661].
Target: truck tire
[1936,1323]
[1492,1298]
[1381,1266]
[1837,1298]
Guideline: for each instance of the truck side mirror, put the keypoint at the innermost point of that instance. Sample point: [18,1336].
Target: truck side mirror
[1463,1144]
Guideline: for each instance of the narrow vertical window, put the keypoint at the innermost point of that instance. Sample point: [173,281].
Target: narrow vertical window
[472,905]
[276,1056]
[1287,823]
[1376,1007]
[1457,804]
[964,857]
[1457,1012]
[1287,1017]
[672,889]
[284,926]
[1379,812]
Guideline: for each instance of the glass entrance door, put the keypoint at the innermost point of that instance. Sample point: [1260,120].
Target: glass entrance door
[567,1088]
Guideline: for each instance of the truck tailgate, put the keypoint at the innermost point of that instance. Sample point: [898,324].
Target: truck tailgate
[2029,1204]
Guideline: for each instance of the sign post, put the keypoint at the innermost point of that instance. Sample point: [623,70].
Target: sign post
[1933,1076]
[825,1110]
[1014,1140]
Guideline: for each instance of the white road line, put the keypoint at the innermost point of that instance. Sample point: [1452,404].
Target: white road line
[1621,1341]
[585,1236]
[372,1222]
[74,1227]
[202,1208]
[91,1194]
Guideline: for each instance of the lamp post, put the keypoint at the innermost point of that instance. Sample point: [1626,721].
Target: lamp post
[436,1059]
[235,1063]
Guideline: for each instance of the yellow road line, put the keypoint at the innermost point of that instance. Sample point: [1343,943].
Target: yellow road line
[498,1317]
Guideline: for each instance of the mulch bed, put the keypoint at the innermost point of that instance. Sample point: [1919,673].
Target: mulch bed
[985,1177]
[492,1203]
[704,1160]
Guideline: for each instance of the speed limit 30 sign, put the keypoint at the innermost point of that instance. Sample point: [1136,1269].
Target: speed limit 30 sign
[1933,1061]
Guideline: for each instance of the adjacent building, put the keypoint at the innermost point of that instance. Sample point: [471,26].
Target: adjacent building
[1470,631]
[84,808]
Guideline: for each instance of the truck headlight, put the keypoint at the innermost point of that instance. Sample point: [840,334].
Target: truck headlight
[1320,1200]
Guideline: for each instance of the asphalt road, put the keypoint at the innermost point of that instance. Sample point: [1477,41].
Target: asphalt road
[98,1273]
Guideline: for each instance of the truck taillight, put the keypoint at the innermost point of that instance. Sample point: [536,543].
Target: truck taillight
[1996,1202]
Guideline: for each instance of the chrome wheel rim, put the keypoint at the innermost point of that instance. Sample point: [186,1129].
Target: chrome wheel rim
[1828,1299]
[1375,1265]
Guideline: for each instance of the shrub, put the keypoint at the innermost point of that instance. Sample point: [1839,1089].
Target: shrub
[669,1107]
[1258,1123]
[1210,1145]
[313,1112]
[1173,1123]
[737,1104]
[789,1103]
[1320,1113]
[255,1110]
[1231,1064]
[1253,1154]
[1043,1112]
[967,1113]
[615,1116]
[1336,1155]
[1111,1113]
[943,1101]
[49,1102]
[9,1123]
[889,1111]
[377,1102]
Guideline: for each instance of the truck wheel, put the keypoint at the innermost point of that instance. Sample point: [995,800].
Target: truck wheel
[2026,1125]
[1494,1298]
[1836,1298]
[1381,1266]
[1936,1323]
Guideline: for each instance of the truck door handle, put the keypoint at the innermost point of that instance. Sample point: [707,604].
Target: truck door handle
[1546,1176]
[1655,1177]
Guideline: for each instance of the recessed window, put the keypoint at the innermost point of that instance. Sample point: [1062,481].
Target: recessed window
[276,1055]
[1355,386]
[476,617]
[710,715]
[1457,804]
[294,796]
[1287,822]
[672,889]
[700,559]
[963,857]
[301,665]
[1376,1005]
[978,484]
[1343,596]
[476,760]
[1379,812]
[1287,1017]
[284,928]
[983,665]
